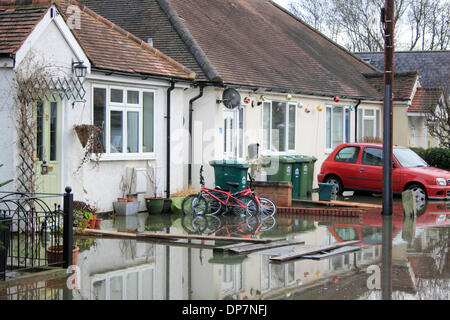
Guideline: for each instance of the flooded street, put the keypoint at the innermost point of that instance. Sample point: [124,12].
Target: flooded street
[417,266]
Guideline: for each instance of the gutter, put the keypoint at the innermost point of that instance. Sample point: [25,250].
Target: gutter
[169,94]
[191,111]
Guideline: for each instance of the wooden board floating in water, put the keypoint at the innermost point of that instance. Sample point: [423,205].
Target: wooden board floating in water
[259,247]
[153,235]
[344,204]
[338,251]
[310,251]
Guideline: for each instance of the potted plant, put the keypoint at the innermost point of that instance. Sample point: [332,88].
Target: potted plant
[127,205]
[155,203]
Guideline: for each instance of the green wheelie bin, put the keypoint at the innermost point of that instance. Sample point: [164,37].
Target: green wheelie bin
[230,171]
[300,176]
[284,172]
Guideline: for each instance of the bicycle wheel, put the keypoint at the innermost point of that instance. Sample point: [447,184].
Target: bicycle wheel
[268,207]
[267,223]
[214,206]
[249,206]
[194,204]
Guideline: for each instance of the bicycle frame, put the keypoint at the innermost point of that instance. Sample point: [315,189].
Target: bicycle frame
[229,196]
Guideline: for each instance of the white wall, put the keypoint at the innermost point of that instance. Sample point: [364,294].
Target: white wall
[7,128]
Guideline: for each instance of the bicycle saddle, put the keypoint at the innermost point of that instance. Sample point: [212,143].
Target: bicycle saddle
[233,184]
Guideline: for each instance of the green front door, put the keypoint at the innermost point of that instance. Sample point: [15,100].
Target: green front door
[48,148]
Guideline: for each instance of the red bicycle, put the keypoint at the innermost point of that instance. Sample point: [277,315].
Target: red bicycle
[212,201]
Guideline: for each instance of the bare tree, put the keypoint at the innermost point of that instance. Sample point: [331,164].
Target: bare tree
[438,122]
[356,23]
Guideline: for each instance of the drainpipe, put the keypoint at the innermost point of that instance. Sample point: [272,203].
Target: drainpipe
[191,111]
[169,91]
[356,120]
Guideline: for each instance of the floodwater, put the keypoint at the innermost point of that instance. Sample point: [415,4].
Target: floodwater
[399,258]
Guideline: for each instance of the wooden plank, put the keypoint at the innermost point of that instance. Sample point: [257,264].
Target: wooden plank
[116,234]
[199,237]
[338,251]
[310,251]
[344,204]
[228,247]
[258,247]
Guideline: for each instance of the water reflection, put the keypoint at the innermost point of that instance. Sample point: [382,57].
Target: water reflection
[411,254]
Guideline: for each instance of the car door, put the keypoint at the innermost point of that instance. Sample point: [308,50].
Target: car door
[347,167]
[371,169]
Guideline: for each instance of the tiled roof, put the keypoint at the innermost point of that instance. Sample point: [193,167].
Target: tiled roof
[250,43]
[403,84]
[16,23]
[145,19]
[424,99]
[433,66]
[108,46]
[256,43]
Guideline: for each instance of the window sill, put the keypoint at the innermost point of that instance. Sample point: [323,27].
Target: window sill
[125,157]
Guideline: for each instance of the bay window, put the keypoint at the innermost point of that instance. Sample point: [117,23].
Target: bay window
[126,118]
[278,121]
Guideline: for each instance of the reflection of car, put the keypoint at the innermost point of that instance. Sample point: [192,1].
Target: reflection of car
[358,166]
[369,232]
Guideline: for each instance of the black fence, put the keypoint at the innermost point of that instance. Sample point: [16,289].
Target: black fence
[36,231]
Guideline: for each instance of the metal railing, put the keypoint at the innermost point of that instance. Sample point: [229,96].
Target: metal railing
[31,224]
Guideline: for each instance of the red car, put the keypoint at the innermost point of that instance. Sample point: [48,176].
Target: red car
[358,166]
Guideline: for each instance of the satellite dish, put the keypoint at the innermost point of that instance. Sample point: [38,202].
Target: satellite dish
[231,98]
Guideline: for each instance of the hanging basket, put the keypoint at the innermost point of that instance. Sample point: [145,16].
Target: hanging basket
[89,131]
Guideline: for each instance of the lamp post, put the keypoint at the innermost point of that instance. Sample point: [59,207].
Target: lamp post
[387,17]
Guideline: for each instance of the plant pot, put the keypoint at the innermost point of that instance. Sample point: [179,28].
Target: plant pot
[122,200]
[92,222]
[154,205]
[126,208]
[98,222]
[131,200]
[55,255]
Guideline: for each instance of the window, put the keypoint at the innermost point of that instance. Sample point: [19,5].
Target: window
[337,126]
[126,118]
[278,126]
[348,154]
[369,122]
[372,156]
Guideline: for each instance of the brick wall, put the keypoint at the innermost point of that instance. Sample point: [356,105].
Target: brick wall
[278,192]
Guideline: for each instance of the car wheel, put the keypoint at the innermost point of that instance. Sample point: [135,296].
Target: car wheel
[338,187]
[420,193]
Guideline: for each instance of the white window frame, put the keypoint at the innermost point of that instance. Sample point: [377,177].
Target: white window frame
[237,137]
[125,107]
[123,275]
[288,150]
[329,149]
[364,117]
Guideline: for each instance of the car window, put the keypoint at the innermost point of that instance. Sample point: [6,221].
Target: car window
[347,154]
[372,156]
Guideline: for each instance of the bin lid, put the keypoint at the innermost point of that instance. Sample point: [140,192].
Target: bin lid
[230,163]
[300,158]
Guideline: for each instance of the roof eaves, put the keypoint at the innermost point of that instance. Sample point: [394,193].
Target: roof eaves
[190,42]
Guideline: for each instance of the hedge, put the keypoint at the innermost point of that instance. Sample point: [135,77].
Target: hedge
[436,157]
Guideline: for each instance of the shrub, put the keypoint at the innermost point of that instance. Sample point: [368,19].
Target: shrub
[436,157]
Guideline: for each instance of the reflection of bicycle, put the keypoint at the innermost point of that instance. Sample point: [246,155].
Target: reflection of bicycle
[213,201]
[227,226]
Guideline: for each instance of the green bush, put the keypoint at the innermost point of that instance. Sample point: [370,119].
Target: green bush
[436,157]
